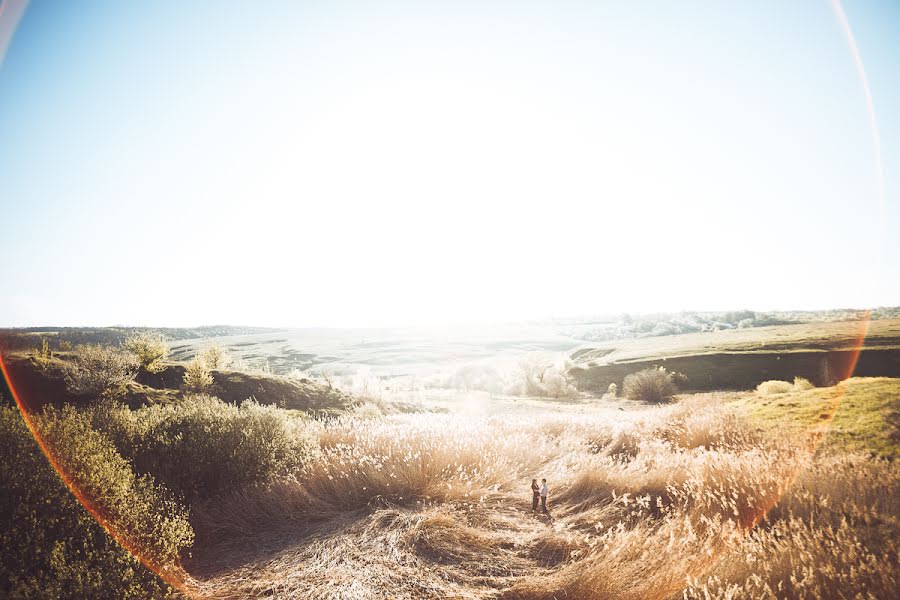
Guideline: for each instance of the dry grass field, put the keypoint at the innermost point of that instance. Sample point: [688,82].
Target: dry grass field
[786,491]
[714,496]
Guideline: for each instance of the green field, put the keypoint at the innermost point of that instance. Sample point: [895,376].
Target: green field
[860,415]
[740,359]
[837,335]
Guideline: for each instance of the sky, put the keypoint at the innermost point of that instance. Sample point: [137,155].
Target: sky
[394,163]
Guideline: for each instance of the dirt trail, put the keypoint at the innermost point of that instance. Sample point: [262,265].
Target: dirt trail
[445,551]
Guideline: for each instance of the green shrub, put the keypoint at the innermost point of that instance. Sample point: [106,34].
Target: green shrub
[197,376]
[215,357]
[144,513]
[150,350]
[50,546]
[99,371]
[654,385]
[201,446]
[42,356]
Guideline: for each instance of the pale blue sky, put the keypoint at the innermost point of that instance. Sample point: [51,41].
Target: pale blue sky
[387,163]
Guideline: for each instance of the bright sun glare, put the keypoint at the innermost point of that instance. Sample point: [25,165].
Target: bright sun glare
[502,174]
[374,167]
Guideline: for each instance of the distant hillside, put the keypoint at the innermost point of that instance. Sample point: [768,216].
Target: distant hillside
[25,338]
[742,358]
[623,327]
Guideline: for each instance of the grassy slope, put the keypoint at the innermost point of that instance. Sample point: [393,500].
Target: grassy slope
[866,419]
[39,386]
[740,359]
[841,335]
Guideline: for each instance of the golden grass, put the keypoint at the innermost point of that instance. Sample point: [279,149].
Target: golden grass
[670,502]
[770,388]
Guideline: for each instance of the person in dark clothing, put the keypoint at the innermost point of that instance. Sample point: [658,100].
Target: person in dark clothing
[535,496]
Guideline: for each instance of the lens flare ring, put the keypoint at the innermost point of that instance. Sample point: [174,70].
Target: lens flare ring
[10,14]
[174,577]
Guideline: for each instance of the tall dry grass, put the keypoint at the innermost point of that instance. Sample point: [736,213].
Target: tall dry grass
[686,500]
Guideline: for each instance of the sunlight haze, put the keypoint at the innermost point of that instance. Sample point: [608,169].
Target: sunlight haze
[392,163]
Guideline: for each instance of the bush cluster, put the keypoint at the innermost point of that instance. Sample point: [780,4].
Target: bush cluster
[144,513]
[197,376]
[43,355]
[150,349]
[202,447]
[543,376]
[99,371]
[215,356]
[774,386]
[50,546]
[654,385]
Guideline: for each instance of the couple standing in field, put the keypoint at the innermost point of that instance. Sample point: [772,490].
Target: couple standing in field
[539,493]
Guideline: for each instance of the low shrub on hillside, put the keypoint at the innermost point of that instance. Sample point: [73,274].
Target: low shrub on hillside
[801,384]
[99,371]
[42,356]
[543,376]
[700,423]
[774,386]
[149,349]
[201,446]
[768,388]
[215,357]
[367,410]
[197,376]
[654,385]
[50,546]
